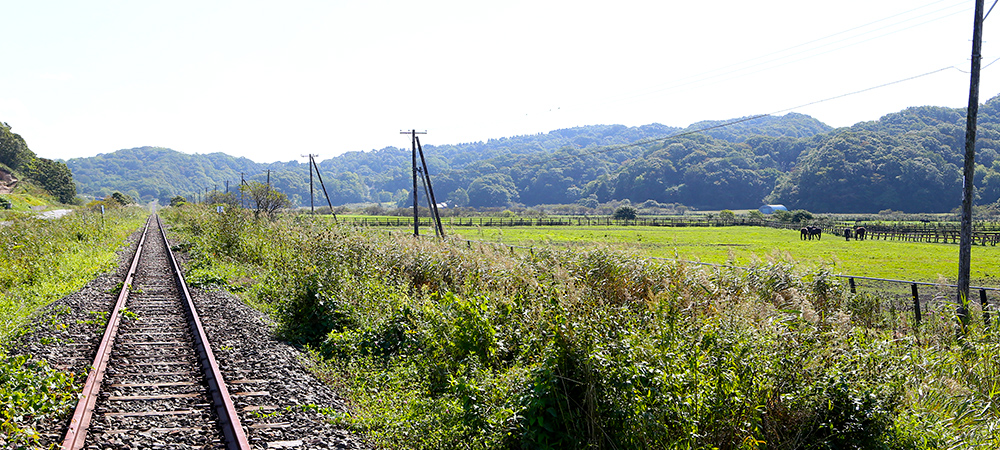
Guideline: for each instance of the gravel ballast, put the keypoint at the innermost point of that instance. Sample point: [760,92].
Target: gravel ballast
[278,399]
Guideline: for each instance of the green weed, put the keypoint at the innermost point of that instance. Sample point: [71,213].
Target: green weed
[447,344]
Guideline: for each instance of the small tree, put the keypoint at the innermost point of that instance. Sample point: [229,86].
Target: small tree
[727,215]
[265,199]
[800,215]
[224,198]
[178,201]
[122,199]
[782,215]
[625,212]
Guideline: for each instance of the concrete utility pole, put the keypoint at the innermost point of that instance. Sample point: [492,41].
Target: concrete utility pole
[965,236]
[416,214]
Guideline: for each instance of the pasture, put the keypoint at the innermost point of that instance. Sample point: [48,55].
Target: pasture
[911,261]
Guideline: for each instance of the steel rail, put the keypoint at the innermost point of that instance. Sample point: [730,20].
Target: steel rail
[229,420]
[80,423]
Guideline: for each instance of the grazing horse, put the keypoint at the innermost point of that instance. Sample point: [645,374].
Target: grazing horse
[815,231]
[847,233]
[804,233]
[859,233]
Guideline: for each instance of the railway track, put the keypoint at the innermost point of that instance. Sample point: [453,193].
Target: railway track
[155,382]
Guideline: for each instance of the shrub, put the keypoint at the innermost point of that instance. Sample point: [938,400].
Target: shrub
[625,212]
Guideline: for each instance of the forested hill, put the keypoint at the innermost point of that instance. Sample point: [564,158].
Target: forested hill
[17,159]
[384,175]
[907,161]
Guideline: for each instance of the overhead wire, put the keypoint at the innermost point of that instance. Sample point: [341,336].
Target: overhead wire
[991,10]
[741,120]
[720,74]
[737,70]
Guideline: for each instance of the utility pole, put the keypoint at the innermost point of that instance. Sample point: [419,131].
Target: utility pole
[242,183]
[227,186]
[312,160]
[312,208]
[430,192]
[268,177]
[965,236]
[416,213]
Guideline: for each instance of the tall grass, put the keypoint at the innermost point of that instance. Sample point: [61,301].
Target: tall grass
[42,261]
[447,345]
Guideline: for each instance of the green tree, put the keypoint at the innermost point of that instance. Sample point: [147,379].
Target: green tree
[800,215]
[625,212]
[266,200]
[54,176]
[495,189]
[122,199]
[178,201]
[458,198]
[782,215]
[224,198]
[14,152]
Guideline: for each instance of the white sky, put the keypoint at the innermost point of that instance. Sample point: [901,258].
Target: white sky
[274,80]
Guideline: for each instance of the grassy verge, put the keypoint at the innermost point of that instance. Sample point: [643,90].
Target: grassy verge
[443,345]
[44,260]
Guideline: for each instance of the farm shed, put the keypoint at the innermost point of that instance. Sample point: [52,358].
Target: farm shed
[770,209]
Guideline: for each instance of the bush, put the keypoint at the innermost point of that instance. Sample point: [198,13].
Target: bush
[801,215]
[625,212]
[178,201]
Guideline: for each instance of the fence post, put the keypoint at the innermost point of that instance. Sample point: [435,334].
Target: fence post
[983,301]
[851,282]
[916,303]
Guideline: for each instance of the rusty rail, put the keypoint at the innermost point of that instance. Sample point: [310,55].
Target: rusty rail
[80,422]
[229,422]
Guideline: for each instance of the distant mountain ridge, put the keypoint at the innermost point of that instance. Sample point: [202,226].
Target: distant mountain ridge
[904,161]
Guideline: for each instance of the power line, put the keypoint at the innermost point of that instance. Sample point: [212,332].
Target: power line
[865,90]
[741,120]
[742,69]
[745,119]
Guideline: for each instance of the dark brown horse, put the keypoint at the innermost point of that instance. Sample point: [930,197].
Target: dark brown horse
[815,231]
[804,233]
[859,233]
[847,233]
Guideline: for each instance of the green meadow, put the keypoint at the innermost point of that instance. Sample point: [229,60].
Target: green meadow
[911,261]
